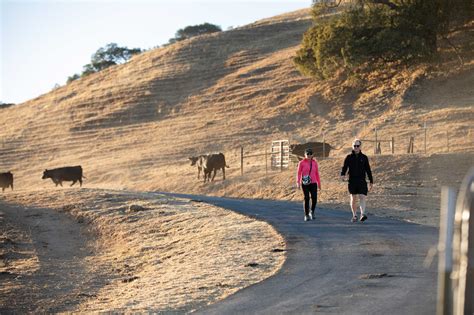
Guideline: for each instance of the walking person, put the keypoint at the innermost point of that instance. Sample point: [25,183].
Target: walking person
[358,165]
[308,178]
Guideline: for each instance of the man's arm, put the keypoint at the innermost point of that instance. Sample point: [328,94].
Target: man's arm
[369,171]
[344,168]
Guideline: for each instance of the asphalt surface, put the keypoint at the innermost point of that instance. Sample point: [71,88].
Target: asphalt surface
[334,266]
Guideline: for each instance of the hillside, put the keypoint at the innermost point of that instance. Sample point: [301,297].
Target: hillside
[134,126]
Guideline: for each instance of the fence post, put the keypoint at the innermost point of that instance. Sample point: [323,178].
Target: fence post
[266,161]
[241,160]
[324,147]
[375,147]
[445,250]
[281,156]
[447,140]
[424,126]
[411,145]
[393,145]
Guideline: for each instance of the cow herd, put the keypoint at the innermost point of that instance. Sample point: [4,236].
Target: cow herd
[208,163]
[57,175]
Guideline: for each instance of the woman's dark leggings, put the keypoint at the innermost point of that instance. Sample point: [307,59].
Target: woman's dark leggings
[307,190]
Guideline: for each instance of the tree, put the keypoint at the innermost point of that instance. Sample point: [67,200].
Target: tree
[5,105]
[195,30]
[74,77]
[105,57]
[110,55]
[370,30]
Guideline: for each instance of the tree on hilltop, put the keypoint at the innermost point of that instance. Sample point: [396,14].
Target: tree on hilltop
[105,57]
[195,30]
[110,55]
[74,77]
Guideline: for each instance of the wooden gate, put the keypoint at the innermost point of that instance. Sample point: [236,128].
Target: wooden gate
[280,154]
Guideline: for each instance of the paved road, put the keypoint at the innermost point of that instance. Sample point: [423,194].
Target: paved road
[335,266]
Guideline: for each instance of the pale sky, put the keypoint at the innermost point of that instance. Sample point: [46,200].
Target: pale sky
[44,41]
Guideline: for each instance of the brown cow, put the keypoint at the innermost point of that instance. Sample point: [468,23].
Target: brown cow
[68,173]
[213,162]
[6,180]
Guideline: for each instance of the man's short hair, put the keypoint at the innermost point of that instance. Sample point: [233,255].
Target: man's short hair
[357,141]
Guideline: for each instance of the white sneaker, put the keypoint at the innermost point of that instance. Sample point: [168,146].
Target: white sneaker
[306,218]
[310,216]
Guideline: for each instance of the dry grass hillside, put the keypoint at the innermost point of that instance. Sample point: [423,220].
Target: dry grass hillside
[133,126]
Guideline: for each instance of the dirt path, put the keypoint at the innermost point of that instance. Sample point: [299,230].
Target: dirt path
[88,250]
[43,259]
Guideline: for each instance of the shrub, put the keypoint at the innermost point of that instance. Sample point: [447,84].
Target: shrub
[373,30]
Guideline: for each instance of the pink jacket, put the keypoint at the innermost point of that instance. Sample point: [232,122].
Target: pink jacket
[303,169]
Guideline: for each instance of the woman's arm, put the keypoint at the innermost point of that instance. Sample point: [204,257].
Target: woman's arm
[298,173]
[318,180]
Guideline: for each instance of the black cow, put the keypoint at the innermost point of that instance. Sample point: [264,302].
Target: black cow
[213,162]
[6,180]
[68,173]
[318,151]
[196,160]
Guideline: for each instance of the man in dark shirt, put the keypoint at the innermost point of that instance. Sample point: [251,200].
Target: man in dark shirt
[358,165]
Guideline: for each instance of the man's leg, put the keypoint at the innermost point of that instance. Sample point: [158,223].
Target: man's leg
[362,204]
[354,205]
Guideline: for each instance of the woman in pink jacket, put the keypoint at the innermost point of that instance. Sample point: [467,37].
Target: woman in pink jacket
[308,179]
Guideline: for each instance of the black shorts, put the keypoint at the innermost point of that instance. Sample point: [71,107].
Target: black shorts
[358,187]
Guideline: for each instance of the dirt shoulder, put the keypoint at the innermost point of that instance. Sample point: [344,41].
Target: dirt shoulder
[43,257]
[95,250]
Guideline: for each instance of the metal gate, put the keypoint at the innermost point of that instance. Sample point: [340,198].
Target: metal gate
[280,154]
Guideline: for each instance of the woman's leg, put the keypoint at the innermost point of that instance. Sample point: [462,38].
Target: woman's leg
[314,197]
[306,199]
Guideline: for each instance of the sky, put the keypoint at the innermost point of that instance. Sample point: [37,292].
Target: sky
[43,42]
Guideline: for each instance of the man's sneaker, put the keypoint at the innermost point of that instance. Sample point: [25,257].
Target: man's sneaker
[306,218]
[354,219]
[311,217]
[363,218]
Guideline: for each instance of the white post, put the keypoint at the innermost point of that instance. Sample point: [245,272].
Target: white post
[445,250]
[463,271]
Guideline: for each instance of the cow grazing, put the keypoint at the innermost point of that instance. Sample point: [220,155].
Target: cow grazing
[196,160]
[213,162]
[69,173]
[6,180]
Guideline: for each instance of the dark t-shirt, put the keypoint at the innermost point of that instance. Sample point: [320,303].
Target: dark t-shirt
[358,166]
